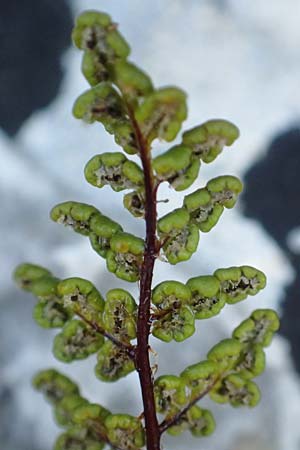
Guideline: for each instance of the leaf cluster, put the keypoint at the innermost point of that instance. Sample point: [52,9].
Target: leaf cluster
[123,99]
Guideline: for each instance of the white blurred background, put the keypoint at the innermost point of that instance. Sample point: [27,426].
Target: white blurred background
[236,59]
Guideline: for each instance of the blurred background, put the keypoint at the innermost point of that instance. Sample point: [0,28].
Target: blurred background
[236,59]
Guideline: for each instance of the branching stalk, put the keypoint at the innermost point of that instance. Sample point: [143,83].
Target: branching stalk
[128,348]
[143,324]
[167,423]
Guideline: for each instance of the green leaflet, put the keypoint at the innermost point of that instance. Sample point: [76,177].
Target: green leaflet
[203,211]
[178,166]
[101,103]
[115,170]
[75,215]
[178,219]
[200,422]
[208,140]
[125,256]
[170,294]
[135,203]
[26,274]
[205,298]
[125,136]
[131,80]
[206,205]
[113,363]
[90,412]
[259,328]
[102,229]
[119,317]
[161,113]
[198,377]
[78,438]
[173,319]
[125,431]
[54,385]
[76,341]
[169,394]
[251,363]
[94,70]
[226,353]
[82,298]
[239,282]
[96,32]
[179,236]
[49,311]
[45,287]
[237,391]
[65,409]
[224,190]
[177,324]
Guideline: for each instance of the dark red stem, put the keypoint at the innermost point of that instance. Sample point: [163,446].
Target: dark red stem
[143,324]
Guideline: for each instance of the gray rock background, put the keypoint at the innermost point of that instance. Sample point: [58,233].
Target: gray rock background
[236,59]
